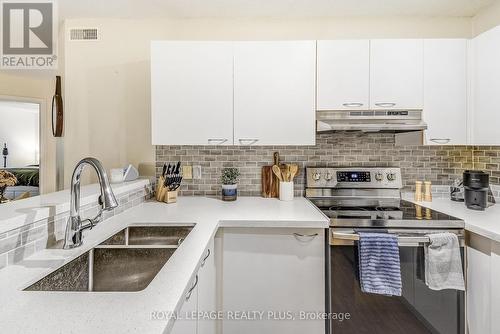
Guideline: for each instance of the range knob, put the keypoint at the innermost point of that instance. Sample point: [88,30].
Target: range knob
[391,176]
[328,176]
[379,176]
[316,176]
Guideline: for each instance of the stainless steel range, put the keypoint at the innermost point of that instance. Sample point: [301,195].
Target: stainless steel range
[369,199]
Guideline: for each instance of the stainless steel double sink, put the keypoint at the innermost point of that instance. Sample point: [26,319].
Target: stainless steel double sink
[127,261]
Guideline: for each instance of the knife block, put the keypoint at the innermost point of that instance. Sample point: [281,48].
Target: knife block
[170,197]
[162,193]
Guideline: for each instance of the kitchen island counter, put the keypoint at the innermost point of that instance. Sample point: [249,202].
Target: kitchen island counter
[131,312]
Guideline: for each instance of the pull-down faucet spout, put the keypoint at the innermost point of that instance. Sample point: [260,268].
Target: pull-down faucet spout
[107,200]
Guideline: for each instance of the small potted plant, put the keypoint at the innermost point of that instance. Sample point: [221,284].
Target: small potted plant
[229,179]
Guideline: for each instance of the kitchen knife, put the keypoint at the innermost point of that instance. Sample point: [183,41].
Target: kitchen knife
[164,169]
[177,183]
[178,168]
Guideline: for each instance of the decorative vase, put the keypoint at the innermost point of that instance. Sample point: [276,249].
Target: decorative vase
[229,192]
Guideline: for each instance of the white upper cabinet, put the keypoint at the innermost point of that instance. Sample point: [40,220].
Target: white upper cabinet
[274,93]
[486,90]
[343,75]
[396,74]
[445,91]
[203,92]
[192,93]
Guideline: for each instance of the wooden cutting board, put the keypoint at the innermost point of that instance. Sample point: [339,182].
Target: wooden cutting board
[270,183]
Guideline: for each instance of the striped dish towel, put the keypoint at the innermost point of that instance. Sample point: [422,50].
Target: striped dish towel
[379,266]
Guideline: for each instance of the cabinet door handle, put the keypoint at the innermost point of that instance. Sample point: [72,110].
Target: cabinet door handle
[352,105]
[248,141]
[216,141]
[190,292]
[205,258]
[300,237]
[386,104]
[440,140]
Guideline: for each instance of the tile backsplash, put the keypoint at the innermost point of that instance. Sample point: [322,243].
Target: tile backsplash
[22,242]
[487,158]
[439,164]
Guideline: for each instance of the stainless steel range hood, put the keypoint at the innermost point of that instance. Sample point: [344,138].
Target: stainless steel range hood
[395,121]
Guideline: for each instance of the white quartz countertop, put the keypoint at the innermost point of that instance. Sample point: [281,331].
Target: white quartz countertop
[485,223]
[130,312]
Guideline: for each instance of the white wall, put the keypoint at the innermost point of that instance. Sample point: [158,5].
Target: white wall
[107,94]
[19,128]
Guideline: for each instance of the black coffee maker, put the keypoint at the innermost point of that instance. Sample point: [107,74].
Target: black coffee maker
[476,185]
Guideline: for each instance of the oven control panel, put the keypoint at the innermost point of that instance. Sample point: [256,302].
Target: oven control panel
[354,176]
[326,177]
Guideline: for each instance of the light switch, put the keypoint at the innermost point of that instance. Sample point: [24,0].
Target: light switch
[196,172]
[187,172]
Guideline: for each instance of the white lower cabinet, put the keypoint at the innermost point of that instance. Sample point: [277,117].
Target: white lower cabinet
[483,287]
[495,287]
[207,292]
[270,274]
[277,271]
[200,299]
[185,324]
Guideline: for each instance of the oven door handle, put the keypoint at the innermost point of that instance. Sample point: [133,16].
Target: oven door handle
[402,240]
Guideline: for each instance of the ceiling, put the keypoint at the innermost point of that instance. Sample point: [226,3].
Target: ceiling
[266,8]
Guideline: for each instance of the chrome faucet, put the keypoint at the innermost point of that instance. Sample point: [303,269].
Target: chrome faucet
[75,225]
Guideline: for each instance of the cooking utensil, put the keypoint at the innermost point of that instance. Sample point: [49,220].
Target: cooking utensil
[269,181]
[294,169]
[288,174]
[277,172]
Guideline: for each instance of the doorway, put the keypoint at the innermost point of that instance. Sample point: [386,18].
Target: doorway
[20,147]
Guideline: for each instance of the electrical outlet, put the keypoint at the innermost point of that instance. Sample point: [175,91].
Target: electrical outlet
[187,172]
[196,172]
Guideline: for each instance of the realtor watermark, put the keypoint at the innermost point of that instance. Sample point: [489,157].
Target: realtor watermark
[250,315]
[28,34]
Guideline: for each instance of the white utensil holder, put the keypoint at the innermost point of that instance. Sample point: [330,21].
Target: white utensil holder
[286,191]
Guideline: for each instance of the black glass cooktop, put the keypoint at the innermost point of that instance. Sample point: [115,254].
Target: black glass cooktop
[384,213]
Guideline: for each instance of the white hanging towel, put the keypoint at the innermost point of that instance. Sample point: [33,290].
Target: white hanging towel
[443,264]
